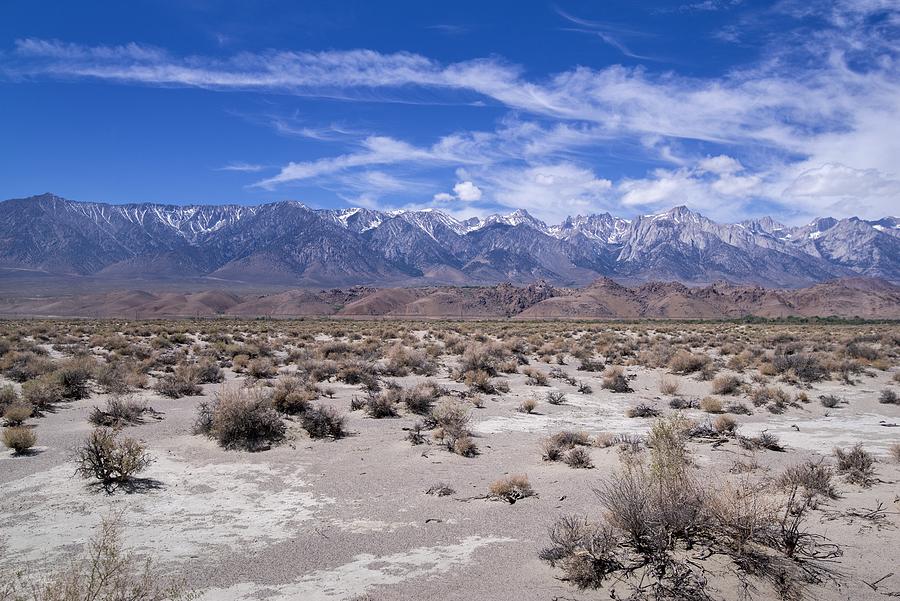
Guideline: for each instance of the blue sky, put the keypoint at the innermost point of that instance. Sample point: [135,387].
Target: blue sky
[734,108]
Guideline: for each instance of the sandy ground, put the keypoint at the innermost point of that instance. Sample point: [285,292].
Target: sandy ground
[325,520]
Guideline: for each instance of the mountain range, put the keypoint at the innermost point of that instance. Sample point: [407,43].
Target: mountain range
[288,244]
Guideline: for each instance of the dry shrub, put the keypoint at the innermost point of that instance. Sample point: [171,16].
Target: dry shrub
[813,478]
[183,381]
[592,365]
[120,411]
[805,367]
[111,460]
[17,413]
[241,418]
[451,417]
[323,422]
[23,366]
[19,438]
[857,465]
[614,379]
[8,396]
[668,385]
[555,397]
[711,404]
[726,384]
[642,410]
[401,360]
[73,376]
[383,404]
[421,398]
[889,397]
[661,523]
[42,392]
[686,362]
[261,368]
[578,458]
[765,440]
[292,395]
[830,401]
[104,571]
[512,488]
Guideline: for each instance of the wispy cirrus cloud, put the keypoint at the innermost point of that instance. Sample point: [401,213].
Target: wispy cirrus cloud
[812,123]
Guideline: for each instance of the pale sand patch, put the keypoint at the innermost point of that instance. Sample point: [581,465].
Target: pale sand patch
[365,571]
[198,510]
[580,412]
[836,430]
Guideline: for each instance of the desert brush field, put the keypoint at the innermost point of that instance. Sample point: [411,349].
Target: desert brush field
[326,459]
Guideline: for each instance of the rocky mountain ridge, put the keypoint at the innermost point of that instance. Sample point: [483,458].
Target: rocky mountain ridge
[289,244]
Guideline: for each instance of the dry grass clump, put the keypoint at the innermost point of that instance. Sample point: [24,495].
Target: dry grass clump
[726,384]
[535,377]
[528,405]
[686,362]
[19,438]
[669,385]
[725,424]
[240,418]
[104,571]
[512,488]
[120,411]
[111,460]
[451,418]
[765,440]
[894,451]
[555,447]
[773,398]
[711,404]
[857,465]
[614,379]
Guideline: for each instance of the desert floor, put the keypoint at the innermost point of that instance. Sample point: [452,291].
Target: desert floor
[350,518]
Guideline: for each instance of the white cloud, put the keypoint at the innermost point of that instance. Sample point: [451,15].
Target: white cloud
[813,125]
[243,167]
[467,191]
